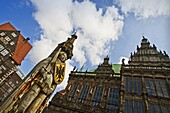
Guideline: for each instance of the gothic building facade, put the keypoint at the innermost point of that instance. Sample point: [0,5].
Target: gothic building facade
[141,86]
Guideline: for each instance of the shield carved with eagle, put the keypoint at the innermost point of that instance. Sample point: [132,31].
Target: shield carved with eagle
[59,72]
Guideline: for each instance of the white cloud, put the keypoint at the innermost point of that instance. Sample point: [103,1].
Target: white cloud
[95,30]
[146,8]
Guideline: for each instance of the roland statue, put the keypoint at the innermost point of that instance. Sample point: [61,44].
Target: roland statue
[33,94]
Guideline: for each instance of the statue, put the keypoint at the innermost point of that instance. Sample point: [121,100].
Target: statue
[42,80]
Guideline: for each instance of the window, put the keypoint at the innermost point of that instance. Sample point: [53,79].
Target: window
[134,106]
[13,34]
[138,107]
[150,87]
[161,88]
[72,92]
[1,47]
[128,84]
[158,87]
[165,108]
[84,93]
[128,106]
[2,33]
[137,85]
[113,99]
[4,52]
[133,84]
[7,38]
[155,108]
[12,43]
[3,67]
[97,96]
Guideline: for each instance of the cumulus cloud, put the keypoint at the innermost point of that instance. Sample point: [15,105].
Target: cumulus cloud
[95,29]
[145,8]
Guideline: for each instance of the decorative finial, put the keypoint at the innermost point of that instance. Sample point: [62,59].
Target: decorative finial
[74,68]
[123,61]
[143,37]
[164,52]
[154,46]
[131,55]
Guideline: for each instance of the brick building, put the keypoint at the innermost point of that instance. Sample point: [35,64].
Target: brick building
[13,49]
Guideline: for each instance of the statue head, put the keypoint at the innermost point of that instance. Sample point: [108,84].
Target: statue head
[62,56]
[68,46]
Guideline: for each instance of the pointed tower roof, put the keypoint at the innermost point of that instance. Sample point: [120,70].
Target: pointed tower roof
[149,55]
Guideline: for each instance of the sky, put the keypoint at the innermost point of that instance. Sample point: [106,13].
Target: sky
[104,27]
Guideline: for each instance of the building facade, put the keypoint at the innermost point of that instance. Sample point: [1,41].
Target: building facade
[141,86]
[88,92]
[13,49]
[145,81]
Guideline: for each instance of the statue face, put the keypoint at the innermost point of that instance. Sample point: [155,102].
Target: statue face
[62,56]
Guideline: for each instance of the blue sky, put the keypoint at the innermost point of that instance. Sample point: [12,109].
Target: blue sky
[104,27]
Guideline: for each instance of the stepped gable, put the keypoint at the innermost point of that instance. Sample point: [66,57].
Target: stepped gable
[105,68]
[149,55]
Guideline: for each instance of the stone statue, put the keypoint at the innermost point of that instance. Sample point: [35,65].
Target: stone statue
[40,83]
